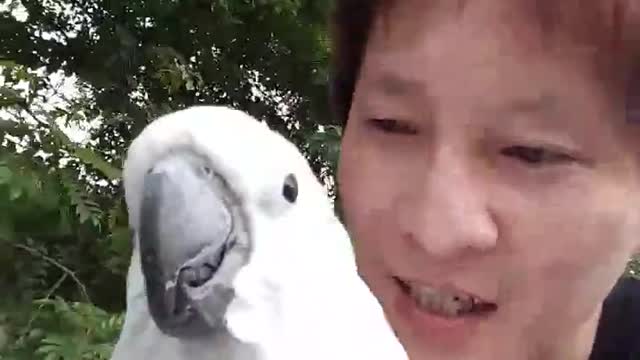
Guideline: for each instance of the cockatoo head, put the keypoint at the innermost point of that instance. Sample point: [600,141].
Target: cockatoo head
[218,202]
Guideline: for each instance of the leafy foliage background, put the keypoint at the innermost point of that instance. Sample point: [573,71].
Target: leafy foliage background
[104,69]
[107,68]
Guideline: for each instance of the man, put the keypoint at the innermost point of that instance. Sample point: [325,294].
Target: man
[490,172]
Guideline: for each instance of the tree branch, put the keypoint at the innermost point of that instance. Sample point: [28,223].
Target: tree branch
[55,263]
[49,293]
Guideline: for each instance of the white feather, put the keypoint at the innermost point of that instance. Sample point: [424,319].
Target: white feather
[300,296]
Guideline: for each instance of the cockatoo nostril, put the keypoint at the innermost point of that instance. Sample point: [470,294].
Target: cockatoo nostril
[196,276]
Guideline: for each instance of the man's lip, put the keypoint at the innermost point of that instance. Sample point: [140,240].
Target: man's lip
[406,283]
[438,331]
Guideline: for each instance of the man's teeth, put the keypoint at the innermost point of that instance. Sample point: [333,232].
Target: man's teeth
[442,302]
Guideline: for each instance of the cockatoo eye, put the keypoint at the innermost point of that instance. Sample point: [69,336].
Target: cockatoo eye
[290,188]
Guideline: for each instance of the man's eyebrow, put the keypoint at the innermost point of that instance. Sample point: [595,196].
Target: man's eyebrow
[394,85]
[543,103]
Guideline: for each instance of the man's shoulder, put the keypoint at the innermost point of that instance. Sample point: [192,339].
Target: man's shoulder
[618,334]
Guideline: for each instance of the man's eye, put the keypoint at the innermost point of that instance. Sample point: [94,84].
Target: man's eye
[535,155]
[393,126]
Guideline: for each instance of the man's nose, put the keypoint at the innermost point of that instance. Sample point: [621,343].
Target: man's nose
[448,213]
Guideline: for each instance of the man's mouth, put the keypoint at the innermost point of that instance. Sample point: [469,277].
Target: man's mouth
[445,302]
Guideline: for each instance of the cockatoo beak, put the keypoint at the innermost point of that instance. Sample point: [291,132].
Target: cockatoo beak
[186,228]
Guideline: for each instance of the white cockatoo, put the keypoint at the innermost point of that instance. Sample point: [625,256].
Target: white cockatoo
[237,254]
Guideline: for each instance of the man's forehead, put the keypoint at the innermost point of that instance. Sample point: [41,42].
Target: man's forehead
[599,24]
[604,24]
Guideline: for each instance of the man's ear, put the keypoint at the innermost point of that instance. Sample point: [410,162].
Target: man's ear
[636,248]
[636,236]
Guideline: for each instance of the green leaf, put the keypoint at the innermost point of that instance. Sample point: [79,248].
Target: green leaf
[93,159]
[5,175]
[87,155]
[15,193]
[7,231]
[9,97]
[50,351]
[7,63]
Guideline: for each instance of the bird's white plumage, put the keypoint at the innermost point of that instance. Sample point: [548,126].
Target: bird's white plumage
[300,296]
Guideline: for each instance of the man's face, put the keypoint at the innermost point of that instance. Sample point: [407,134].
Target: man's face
[477,162]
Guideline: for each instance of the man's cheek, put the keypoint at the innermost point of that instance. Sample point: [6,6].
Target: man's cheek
[574,262]
[380,230]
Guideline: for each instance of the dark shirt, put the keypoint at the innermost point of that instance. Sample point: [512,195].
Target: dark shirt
[618,334]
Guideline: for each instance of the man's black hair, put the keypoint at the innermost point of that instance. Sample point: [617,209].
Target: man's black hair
[350,24]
